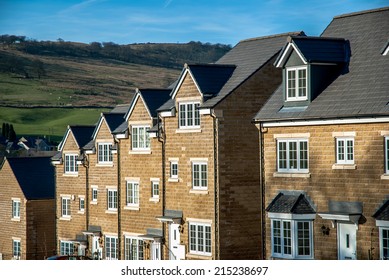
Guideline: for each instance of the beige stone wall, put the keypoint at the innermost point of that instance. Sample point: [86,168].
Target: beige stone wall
[363,184]
[240,197]
[11,228]
[140,166]
[73,186]
[41,229]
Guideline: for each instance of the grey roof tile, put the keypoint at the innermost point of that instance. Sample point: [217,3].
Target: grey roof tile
[383,212]
[363,91]
[288,202]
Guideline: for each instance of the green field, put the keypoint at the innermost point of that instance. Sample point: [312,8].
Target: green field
[49,122]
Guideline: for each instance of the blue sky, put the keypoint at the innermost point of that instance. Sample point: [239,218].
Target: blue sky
[174,21]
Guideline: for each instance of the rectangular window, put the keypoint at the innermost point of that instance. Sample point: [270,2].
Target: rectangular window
[16,251]
[66,248]
[105,153]
[140,138]
[296,84]
[387,155]
[291,239]
[134,248]
[132,193]
[112,199]
[189,115]
[292,155]
[66,207]
[71,163]
[174,169]
[94,194]
[155,189]
[199,174]
[82,204]
[200,239]
[111,248]
[384,243]
[345,150]
[16,208]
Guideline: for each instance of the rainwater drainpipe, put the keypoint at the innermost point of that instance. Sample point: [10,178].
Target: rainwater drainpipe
[117,141]
[86,165]
[216,183]
[262,187]
[162,138]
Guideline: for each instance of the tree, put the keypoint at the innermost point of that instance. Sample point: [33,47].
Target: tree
[39,68]
[6,130]
[3,130]
[12,133]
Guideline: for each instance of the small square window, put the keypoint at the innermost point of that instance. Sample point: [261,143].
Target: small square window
[112,199]
[199,175]
[155,189]
[82,204]
[345,150]
[174,169]
[105,153]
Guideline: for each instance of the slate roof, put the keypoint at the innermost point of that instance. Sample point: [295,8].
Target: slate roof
[154,98]
[363,91]
[35,176]
[383,212]
[211,77]
[320,49]
[121,108]
[248,56]
[113,120]
[235,67]
[82,133]
[292,203]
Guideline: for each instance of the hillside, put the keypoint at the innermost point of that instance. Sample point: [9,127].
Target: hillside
[64,75]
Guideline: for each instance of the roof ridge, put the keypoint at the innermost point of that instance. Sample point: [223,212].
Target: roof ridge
[273,36]
[362,12]
[210,64]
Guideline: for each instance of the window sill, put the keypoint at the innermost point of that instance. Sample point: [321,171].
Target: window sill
[81,212]
[132,208]
[15,219]
[175,180]
[291,258]
[65,218]
[105,164]
[291,175]
[139,152]
[344,166]
[385,177]
[201,192]
[188,130]
[198,257]
[93,202]
[154,199]
[70,175]
[111,211]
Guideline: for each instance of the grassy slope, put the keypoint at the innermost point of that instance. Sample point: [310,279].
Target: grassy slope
[47,121]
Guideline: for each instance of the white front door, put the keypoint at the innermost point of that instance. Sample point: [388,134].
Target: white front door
[156,251]
[96,249]
[347,241]
[174,241]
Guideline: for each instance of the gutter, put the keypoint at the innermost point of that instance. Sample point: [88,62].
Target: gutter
[262,188]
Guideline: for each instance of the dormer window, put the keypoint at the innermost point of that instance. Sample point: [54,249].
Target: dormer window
[296,86]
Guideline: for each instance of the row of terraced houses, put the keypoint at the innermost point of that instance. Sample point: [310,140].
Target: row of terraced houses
[279,150]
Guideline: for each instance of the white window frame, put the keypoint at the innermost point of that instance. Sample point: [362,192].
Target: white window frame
[155,189]
[298,159]
[174,170]
[138,143]
[111,247]
[104,153]
[381,236]
[296,71]
[346,153]
[70,165]
[16,249]
[16,208]
[132,194]
[81,201]
[189,118]
[112,199]
[386,155]
[95,192]
[66,248]
[293,239]
[199,244]
[136,243]
[202,178]
[66,207]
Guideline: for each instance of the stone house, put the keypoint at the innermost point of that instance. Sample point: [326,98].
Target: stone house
[324,143]
[27,203]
